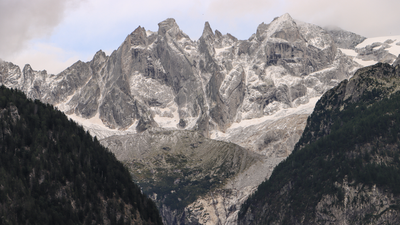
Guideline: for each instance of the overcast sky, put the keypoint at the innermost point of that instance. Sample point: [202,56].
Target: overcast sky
[53,34]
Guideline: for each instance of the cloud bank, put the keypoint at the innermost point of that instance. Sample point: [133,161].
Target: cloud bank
[34,31]
[366,17]
[23,20]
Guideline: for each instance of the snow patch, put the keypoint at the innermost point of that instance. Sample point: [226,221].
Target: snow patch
[302,109]
[149,32]
[348,52]
[63,106]
[393,47]
[353,54]
[276,71]
[370,41]
[163,119]
[365,63]
[220,50]
[97,129]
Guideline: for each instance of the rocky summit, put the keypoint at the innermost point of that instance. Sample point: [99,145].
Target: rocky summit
[247,97]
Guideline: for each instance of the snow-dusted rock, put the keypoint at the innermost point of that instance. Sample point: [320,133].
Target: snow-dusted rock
[344,39]
[373,50]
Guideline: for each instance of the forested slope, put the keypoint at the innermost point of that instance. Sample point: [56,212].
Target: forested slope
[346,166]
[53,172]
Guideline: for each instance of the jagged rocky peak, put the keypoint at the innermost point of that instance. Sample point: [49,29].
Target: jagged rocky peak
[207,31]
[27,68]
[284,27]
[138,36]
[218,34]
[166,25]
[207,40]
[262,31]
[10,73]
[98,60]
[169,27]
[316,36]
[208,34]
[30,74]
[170,61]
[99,55]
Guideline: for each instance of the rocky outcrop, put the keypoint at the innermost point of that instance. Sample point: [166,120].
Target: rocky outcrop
[372,205]
[377,51]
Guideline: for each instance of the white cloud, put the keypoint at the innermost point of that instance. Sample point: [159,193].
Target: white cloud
[366,17]
[45,57]
[23,20]
[78,29]
[239,8]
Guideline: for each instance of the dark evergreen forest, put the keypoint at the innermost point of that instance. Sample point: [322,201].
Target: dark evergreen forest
[362,146]
[53,172]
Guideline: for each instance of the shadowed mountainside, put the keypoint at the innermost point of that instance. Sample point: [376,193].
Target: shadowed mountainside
[53,172]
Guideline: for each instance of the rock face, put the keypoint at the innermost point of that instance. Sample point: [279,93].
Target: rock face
[345,39]
[255,93]
[345,167]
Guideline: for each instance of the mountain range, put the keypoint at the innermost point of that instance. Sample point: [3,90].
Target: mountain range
[201,123]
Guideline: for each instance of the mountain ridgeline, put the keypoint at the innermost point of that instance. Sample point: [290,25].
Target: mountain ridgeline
[345,169]
[54,172]
[165,79]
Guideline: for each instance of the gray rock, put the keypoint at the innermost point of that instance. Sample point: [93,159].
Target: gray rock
[376,52]
[345,39]
[397,61]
